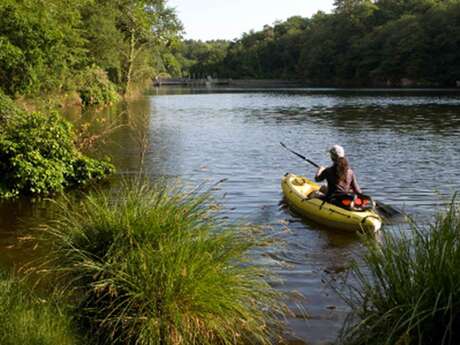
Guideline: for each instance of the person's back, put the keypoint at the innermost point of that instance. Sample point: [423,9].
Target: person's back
[340,177]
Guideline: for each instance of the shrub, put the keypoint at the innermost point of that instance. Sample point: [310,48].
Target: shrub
[38,157]
[8,110]
[27,319]
[152,266]
[95,88]
[408,291]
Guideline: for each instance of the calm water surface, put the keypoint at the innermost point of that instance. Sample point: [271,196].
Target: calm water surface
[403,146]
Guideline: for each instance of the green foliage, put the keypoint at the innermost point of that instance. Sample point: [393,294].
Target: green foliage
[273,52]
[8,110]
[45,44]
[201,59]
[30,320]
[152,265]
[39,44]
[408,289]
[38,157]
[130,39]
[95,88]
[104,41]
[362,42]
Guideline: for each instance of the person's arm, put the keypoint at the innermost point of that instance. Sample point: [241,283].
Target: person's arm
[354,184]
[320,174]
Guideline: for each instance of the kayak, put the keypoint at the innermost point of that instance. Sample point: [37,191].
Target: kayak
[299,193]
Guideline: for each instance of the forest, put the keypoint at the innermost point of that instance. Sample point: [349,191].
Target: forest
[361,43]
[101,48]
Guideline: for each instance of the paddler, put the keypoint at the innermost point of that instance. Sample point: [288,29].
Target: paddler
[340,177]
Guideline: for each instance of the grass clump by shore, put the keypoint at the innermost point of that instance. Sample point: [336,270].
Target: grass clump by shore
[408,290]
[153,265]
[27,319]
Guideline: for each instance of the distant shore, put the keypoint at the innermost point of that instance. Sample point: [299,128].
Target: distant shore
[403,83]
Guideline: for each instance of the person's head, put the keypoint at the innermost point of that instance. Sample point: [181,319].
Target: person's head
[341,164]
[337,152]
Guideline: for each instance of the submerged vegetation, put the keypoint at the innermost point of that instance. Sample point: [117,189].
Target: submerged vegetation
[408,289]
[152,265]
[29,319]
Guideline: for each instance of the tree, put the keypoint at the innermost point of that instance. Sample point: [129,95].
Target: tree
[144,24]
[40,44]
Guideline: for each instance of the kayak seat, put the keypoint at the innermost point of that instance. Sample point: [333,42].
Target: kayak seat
[354,202]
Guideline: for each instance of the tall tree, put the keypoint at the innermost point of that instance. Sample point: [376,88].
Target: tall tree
[145,25]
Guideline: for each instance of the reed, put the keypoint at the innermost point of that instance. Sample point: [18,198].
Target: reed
[407,290]
[154,265]
[28,319]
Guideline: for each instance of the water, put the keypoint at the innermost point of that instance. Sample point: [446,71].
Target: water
[403,146]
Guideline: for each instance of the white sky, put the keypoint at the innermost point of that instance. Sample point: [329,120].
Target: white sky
[228,19]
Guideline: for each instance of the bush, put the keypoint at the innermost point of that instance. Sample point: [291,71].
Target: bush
[29,320]
[8,110]
[38,157]
[95,88]
[152,266]
[40,45]
[408,291]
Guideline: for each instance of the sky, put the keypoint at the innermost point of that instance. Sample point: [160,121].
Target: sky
[228,19]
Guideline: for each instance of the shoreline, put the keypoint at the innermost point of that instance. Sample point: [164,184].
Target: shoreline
[301,83]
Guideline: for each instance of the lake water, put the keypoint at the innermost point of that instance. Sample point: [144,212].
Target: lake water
[402,144]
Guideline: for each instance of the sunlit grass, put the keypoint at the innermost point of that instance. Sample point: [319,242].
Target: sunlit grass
[27,319]
[408,290]
[154,265]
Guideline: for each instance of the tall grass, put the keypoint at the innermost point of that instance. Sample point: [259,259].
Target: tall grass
[408,290]
[27,319]
[153,265]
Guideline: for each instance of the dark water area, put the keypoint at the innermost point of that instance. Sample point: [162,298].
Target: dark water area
[402,144]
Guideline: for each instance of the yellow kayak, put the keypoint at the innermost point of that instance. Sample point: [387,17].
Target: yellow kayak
[299,194]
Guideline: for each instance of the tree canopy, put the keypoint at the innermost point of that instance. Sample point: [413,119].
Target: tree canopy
[46,44]
[362,42]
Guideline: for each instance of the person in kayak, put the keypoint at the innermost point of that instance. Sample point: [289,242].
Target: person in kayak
[340,178]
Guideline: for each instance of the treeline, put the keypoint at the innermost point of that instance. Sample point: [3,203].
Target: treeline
[363,42]
[95,47]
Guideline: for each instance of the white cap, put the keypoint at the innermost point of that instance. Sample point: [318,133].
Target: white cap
[337,151]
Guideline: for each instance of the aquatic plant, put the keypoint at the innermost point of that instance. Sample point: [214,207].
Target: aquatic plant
[407,290]
[27,319]
[153,265]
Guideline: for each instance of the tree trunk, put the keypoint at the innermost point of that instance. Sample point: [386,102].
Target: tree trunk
[129,67]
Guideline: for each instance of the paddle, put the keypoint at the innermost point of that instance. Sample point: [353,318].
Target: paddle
[386,211]
[299,155]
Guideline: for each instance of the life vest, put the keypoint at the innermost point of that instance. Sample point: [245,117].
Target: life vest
[355,202]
